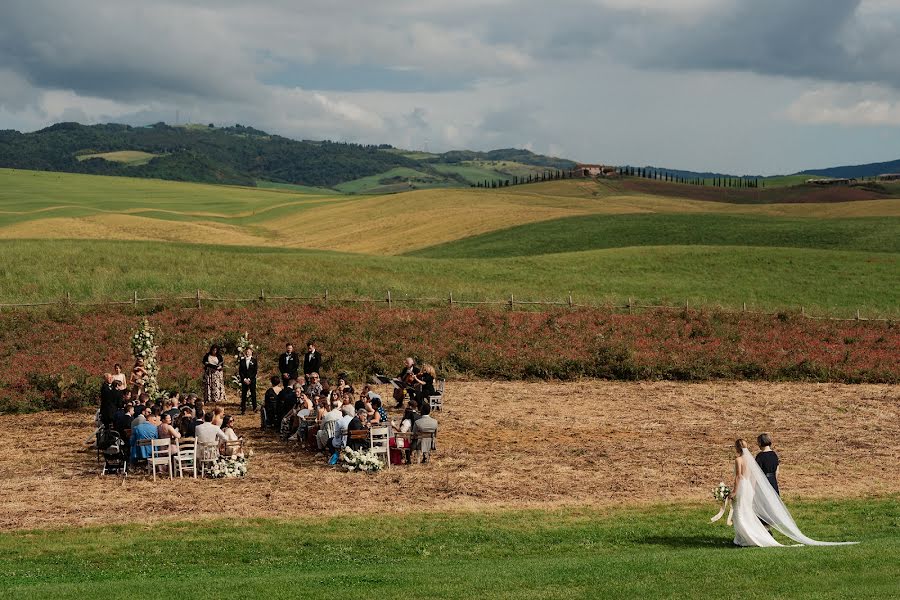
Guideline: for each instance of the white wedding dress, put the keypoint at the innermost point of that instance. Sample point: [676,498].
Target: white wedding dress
[756,499]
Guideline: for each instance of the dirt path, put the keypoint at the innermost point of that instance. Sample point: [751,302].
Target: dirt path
[507,444]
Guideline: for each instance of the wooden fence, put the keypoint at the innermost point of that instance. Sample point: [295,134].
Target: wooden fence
[197,300]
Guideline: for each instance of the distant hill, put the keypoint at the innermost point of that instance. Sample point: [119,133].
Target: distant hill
[858,171]
[242,155]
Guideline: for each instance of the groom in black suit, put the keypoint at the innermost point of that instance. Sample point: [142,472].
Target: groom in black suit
[247,373]
[289,364]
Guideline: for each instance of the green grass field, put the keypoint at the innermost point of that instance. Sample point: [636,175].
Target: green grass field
[104,237]
[662,551]
[593,232]
[835,282]
[132,158]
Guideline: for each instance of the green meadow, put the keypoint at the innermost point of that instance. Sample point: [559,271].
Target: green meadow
[661,551]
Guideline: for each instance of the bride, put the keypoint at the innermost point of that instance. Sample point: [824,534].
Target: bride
[755,501]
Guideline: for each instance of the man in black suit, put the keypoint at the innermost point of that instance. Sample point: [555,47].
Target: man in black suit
[247,374]
[289,364]
[286,400]
[109,400]
[312,360]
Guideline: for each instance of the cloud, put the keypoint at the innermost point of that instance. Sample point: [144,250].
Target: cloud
[849,105]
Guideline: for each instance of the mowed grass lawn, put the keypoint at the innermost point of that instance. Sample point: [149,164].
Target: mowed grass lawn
[836,282]
[662,551]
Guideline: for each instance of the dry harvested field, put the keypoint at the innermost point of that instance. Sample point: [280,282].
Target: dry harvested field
[590,443]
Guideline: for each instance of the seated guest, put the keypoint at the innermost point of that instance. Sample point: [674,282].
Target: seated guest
[424,424]
[143,400]
[218,414]
[230,436]
[286,401]
[425,381]
[145,430]
[167,431]
[332,416]
[270,400]
[140,417]
[347,406]
[207,433]
[126,394]
[198,411]
[187,423]
[154,417]
[379,413]
[369,392]
[343,384]
[314,387]
[124,417]
[339,439]
[321,408]
[358,423]
[171,405]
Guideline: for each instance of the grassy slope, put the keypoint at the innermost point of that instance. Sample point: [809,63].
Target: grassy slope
[834,281]
[128,157]
[590,232]
[372,184]
[663,551]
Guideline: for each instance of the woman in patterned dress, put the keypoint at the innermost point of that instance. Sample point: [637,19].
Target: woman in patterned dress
[213,376]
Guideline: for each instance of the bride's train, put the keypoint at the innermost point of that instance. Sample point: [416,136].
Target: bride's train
[757,501]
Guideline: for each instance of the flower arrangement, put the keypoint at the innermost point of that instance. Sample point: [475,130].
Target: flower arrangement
[243,343]
[360,460]
[721,492]
[229,467]
[143,345]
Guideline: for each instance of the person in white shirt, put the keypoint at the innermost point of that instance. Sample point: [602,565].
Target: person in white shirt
[207,433]
[339,440]
[331,416]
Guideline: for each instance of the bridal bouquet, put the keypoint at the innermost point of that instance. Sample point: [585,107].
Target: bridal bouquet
[722,494]
[229,467]
[360,460]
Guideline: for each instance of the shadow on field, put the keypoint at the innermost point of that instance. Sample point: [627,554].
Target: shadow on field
[687,541]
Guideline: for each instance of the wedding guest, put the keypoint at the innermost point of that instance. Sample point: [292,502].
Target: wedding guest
[247,369]
[332,416]
[405,380]
[312,360]
[270,400]
[425,379]
[358,423]
[187,424]
[145,430]
[207,433]
[166,430]
[138,378]
[343,385]
[140,416]
[424,424]
[126,393]
[369,392]
[230,436]
[213,375]
[286,400]
[289,364]
[339,439]
[379,410]
[124,417]
[218,414]
[314,387]
[767,460]
[347,406]
[119,376]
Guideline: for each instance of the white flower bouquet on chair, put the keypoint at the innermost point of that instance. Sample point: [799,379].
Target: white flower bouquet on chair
[360,460]
[228,468]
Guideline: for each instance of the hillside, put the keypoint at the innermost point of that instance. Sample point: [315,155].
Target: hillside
[858,171]
[246,156]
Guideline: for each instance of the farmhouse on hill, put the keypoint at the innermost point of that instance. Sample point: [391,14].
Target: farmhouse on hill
[586,170]
[836,181]
[888,177]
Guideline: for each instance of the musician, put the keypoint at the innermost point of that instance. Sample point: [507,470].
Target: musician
[289,364]
[405,381]
[247,373]
[425,381]
[312,360]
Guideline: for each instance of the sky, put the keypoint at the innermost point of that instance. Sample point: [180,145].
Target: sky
[737,86]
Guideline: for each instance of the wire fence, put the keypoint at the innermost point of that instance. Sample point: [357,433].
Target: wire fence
[198,299]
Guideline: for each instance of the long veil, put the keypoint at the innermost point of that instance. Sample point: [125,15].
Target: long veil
[768,506]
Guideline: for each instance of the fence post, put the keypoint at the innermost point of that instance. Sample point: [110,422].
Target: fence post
[389,298]
[512,301]
[198,297]
[629,305]
[857,314]
[134,298]
[262,295]
[744,307]
[326,295]
[570,299]
[687,305]
[451,298]
[802,311]
[68,297]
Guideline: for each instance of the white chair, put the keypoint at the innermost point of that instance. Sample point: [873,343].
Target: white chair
[436,402]
[160,456]
[186,457]
[327,431]
[379,441]
[207,454]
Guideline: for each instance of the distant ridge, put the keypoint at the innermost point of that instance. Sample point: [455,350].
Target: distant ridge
[241,155]
[858,171]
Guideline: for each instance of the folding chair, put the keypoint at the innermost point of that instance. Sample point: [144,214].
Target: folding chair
[234,448]
[379,442]
[424,444]
[160,456]
[358,439]
[436,402]
[207,454]
[186,457]
[145,462]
